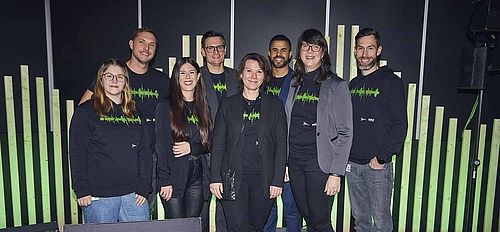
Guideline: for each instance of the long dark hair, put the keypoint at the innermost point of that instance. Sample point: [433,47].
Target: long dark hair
[179,110]
[313,36]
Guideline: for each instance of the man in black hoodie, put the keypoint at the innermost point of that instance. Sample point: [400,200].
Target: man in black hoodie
[380,125]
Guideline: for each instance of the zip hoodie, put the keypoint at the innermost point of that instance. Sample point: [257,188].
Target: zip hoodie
[379,116]
[110,154]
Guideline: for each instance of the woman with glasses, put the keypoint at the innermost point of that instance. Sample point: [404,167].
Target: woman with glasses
[319,115]
[249,145]
[183,142]
[110,151]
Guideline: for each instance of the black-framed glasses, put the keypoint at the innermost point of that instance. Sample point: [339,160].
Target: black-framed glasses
[111,77]
[305,47]
[219,48]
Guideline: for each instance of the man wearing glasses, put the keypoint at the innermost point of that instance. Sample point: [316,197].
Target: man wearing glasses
[148,86]
[220,82]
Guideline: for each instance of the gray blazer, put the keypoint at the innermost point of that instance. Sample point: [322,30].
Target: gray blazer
[233,84]
[334,123]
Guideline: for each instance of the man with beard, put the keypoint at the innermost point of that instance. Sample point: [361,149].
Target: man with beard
[220,82]
[380,125]
[280,53]
[147,86]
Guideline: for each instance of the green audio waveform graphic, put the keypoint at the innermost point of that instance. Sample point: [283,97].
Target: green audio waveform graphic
[365,92]
[120,119]
[145,93]
[251,116]
[307,97]
[220,87]
[193,119]
[273,90]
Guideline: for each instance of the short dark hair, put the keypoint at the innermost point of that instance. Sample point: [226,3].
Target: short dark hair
[280,38]
[209,34]
[263,64]
[143,29]
[367,32]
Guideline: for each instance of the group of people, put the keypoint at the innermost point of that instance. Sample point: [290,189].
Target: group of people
[245,136]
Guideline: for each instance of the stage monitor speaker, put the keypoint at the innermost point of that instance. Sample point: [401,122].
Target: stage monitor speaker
[43,227]
[486,17]
[170,225]
[473,68]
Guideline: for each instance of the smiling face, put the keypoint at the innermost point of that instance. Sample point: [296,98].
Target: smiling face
[366,52]
[113,81]
[252,75]
[188,78]
[279,53]
[143,47]
[311,55]
[214,50]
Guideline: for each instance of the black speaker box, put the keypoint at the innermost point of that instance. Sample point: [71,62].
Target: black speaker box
[473,68]
[42,227]
[170,225]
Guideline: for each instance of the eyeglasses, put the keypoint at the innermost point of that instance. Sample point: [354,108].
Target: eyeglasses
[111,77]
[219,48]
[305,47]
[190,73]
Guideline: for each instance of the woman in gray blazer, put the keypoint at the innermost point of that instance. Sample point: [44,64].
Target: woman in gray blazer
[319,115]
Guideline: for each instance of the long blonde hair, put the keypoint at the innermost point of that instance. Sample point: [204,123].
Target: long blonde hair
[102,104]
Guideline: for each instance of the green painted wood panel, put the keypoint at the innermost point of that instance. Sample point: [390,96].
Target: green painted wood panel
[346,224]
[28,145]
[70,108]
[58,163]
[479,179]
[279,203]
[421,156]
[42,149]
[12,145]
[434,174]
[462,181]
[405,173]
[492,178]
[448,173]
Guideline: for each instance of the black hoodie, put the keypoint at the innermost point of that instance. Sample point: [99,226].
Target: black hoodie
[379,116]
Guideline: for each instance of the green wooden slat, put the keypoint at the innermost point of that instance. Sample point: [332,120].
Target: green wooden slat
[479,179]
[279,203]
[405,174]
[70,108]
[335,213]
[448,173]
[12,144]
[492,178]
[462,181]
[211,217]
[3,218]
[434,175]
[346,225]
[28,145]
[42,143]
[58,164]
[160,210]
[421,155]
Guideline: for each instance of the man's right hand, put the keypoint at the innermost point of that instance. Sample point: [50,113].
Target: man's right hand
[216,189]
[85,201]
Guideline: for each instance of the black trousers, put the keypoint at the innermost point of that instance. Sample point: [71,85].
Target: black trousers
[308,185]
[250,209]
[190,204]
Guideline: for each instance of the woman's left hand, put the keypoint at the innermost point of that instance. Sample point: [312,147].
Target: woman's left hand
[332,186]
[274,191]
[139,200]
[181,149]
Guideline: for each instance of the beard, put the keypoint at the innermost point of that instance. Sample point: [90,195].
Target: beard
[368,66]
[276,64]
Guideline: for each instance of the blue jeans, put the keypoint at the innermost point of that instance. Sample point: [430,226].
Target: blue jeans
[115,209]
[370,191]
[292,214]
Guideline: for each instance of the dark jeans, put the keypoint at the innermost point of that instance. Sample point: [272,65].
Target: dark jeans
[292,214]
[152,196]
[250,209]
[370,191]
[308,185]
[191,202]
